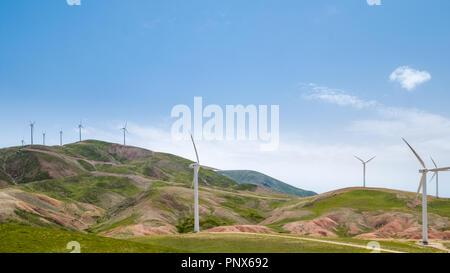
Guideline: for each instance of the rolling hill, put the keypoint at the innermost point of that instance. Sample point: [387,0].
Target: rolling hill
[262,180]
[102,189]
[115,190]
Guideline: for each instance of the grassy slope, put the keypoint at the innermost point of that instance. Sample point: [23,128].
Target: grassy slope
[23,239]
[251,243]
[242,243]
[84,188]
[263,180]
[364,200]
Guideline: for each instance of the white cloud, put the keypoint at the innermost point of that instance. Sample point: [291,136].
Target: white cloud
[374,2]
[394,121]
[336,96]
[409,78]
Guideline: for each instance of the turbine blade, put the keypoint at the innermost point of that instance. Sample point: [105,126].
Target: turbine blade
[440,169]
[195,148]
[421,183]
[370,159]
[434,175]
[433,162]
[415,153]
[362,161]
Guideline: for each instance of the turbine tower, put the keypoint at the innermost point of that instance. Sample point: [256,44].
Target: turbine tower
[32,128]
[43,138]
[364,168]
[23,142]
[423,186]
[124,129]
[435,175]
[196,167]
[80,126]
[60,137]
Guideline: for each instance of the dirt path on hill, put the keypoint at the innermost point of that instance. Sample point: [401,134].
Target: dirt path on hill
[439,246]
[74,158]
[313,240]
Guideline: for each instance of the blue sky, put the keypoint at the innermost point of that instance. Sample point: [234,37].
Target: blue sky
[326,63]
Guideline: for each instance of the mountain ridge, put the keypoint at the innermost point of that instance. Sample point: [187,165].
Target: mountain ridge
[263,180]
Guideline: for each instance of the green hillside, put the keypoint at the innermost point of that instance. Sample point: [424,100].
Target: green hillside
[256,178]
[23,239]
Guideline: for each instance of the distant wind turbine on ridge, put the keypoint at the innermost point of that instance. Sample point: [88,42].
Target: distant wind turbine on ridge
[32,128]
[23,142]
[364,168]
[124,129]
[60,137]
[80,126]
[196,167]
[423,186]
[43,138]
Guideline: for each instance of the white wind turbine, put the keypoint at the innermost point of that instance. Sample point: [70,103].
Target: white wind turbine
[80,126]
[423,186]
[32,130]
[196,167]
[364,168]
[124,129]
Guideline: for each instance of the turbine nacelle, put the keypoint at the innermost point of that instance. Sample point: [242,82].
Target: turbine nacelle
[194,165]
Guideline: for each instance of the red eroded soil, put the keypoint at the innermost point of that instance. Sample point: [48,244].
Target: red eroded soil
[241,228]
[138,230]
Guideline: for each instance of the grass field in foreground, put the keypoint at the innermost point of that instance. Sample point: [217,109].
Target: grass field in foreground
[243,243]
[25,239]
[260,243]
[409,246]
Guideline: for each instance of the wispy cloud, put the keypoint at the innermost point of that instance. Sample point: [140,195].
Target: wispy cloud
[409,78]
[390,121]
[336,96]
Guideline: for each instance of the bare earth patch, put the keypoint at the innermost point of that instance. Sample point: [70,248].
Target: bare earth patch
[138,230]
[241,228]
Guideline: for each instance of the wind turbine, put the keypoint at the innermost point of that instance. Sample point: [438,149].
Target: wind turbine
[124,129]
[364,168]
[196,167]
[43,138]
[32,127]
[60,137]
[423,186]
[435,174]
[23,142]
[80,126]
